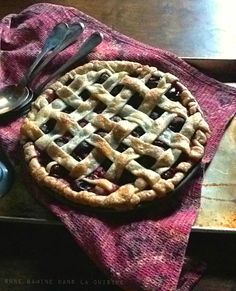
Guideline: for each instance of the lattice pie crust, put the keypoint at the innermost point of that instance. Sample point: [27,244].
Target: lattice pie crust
[113,134]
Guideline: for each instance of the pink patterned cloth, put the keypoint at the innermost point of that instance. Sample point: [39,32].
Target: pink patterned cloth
[139,253]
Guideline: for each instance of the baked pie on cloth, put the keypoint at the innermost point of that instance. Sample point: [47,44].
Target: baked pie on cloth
[114,134]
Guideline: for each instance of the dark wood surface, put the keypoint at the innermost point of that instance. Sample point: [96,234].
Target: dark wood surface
[47,255]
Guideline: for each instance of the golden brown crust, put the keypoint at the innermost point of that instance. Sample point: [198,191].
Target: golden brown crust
[149,183]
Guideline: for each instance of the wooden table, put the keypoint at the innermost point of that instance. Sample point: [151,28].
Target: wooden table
[47,254]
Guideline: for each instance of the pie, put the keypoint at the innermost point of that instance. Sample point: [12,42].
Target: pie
[113,134]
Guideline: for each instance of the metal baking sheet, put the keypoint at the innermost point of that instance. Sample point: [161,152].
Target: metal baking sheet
[218,201]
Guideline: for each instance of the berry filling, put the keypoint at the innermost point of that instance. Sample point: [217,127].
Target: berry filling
[146,161]
[48,126]
[157,112]
[85,94]
[173,170]
[60,141]
[161,144]
[135,100]
[169,173]
[116,90]
[68,109]
[153,82]
[126,177]
[102,78]
[121,148]
[99,108]
[137,132]
[82,122]
[177,123]
[173,93]
[58,171]
[116,118]
[81,185]
[82,150]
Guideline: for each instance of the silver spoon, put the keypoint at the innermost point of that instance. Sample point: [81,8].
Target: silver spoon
[90,43]
[6,171]
[12,96]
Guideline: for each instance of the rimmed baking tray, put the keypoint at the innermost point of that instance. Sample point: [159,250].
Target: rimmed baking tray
[218,200]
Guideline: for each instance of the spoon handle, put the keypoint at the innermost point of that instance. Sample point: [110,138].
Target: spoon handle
[71,34]
[54,38]
[91,42]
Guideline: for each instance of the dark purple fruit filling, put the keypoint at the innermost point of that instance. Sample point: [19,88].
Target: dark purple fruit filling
[44,158]
[102,78]
[106,164]
[126,177]
[177,123]
[68,109]
[80,185]
[157,112]
[58,171]
[60,141]
[173,94]
[169,173]
[68,82]
[48,126]
[85,94]
[161,144]
[98,173]
[135,100]
[153,82]
[137,132]
[100,107]
[116,118]
[82,150]
[82,122]
[146,161]
[122,147]
[116,90]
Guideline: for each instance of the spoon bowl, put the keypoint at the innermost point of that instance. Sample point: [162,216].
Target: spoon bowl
[13,96]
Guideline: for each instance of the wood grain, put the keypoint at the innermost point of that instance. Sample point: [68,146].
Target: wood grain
[188,28]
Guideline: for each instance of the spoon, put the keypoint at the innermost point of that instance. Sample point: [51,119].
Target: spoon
[90,43]
[6,171]
[13,96]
